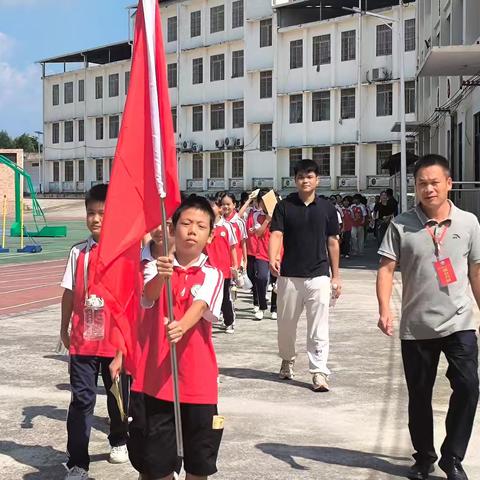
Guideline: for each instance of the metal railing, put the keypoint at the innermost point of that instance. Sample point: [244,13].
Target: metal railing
[466,195]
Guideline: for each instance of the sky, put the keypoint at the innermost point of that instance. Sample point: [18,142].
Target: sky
[31,30]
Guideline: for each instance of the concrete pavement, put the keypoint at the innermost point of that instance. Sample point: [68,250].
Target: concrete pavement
[274,430]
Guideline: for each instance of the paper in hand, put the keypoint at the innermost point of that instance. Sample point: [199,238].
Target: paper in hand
[254,194]
[270,201]
[116,391]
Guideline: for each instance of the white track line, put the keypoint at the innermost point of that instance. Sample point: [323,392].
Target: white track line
[43,252]
[45,271]
[23,264]
[30,303]
[24,279]
[30,288]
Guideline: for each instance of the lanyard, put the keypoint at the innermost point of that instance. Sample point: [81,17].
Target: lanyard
[437,239]
[85,269]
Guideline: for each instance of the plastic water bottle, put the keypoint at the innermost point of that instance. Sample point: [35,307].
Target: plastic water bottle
[94,319]
[333,295]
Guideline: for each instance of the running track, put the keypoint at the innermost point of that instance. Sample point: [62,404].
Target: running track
[30,286]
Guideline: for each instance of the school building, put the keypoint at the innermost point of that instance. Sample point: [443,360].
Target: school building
[255,85]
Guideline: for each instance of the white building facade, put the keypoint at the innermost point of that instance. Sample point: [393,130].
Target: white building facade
[253,89]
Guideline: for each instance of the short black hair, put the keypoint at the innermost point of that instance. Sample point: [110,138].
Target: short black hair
[431,160]
[198,203]
[261,193]
[389,192]
[229,195]
[97,193]
[306,166]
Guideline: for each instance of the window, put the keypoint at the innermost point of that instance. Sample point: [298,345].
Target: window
[174,119]
[237,14]
[410,97]
[265,137]
[266,84]
[197,166]
[217,165]
[347,161]
[294,156]
[296,108]
[347,103]
[348,45]
[172,75]
[172,29]
[384,152]
[237,115]
[410,35]
[321,50]
[127,81]
[217,67]
[113,81]
[237,164]
[113,126]
[56,94]
[68,171]
[81,170]
[99,169]
[68,92]
[81,131]
[217,19]
[195,24]
[320,106]
[99,128]
[56,171]
[217,116]
[81,90]
[68,131]
[384,100]
[237,64]
[266,33]
[55,133]
[98,87]
[197,71]
[296,54]
[197,118]
[321,156]
[384,40]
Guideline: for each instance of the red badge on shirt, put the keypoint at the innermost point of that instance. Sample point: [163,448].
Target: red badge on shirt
[445,272]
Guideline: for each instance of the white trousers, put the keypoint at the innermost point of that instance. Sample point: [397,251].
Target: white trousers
[358,240]
[313,294]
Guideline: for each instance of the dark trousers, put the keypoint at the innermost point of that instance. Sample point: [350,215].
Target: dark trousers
[273,303]
[262,277]
[251,276]
[227,306]
[346,243]
[420,361]
[84,371]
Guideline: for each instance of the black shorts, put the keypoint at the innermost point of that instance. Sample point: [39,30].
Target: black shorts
[152,444]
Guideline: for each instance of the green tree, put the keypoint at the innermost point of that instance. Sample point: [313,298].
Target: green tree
[27,142]
[5,140]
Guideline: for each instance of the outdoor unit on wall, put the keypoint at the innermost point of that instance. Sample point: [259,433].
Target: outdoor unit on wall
[219,143]
[239,142]
[378,75]
[378,181]
[229,142]
[186,146]
[288,182]
[236,183]
[196,148]
[190,183]
[347,182]
[216,183]
[262,182]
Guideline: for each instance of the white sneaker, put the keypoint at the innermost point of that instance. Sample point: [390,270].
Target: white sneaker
[274,315]
[320,382]
[269,288]
[256,308]
[76,473]
[230,329]
[259,315]
[118,454]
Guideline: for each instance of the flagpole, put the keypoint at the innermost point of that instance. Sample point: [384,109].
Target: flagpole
[173,350]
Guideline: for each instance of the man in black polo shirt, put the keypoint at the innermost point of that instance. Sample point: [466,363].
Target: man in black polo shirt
[307,226]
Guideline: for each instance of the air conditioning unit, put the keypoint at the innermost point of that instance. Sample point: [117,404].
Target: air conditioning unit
[216,183]
[196,148]
[235,183]
[380,74]
[190,184]
[229,142]
[344,182]
[239,142]
[187,146]
[219,143]
[262,182]
[288,182]
[378,182]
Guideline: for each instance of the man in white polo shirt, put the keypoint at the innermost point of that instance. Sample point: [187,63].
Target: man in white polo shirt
[437,247]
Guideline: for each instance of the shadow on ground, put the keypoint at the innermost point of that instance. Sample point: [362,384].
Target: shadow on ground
[336,456]
[252,374]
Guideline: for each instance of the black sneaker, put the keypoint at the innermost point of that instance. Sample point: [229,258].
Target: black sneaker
[453,468]
[420,471]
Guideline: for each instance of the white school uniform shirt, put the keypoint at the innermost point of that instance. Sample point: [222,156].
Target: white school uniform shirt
[68,280]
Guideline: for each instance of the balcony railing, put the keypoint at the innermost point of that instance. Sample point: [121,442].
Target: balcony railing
[80,186]
[54,187]
[216,184]
[68,186]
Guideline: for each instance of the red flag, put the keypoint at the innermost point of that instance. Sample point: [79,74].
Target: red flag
[144,170]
